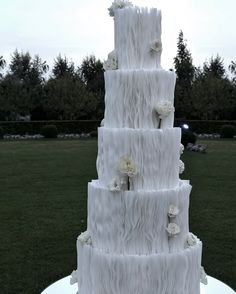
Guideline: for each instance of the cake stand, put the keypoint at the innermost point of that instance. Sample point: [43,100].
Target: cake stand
[63,287]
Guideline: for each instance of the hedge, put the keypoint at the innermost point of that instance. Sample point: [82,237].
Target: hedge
[205,126]
[87,126]
[35,127]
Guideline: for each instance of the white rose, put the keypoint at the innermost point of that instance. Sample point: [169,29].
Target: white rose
[74,277]
[111,63]
[173,211]
[85,238]
[191,240]
[102,123]
[164,108]
[173,229]
[156,45]
[115,185]
[203,276]
[118,4]
[181,166]
[181,150]
[127,167]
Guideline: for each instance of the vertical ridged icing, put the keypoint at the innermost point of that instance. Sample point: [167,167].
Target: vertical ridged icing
[135,29]
[129,247]
[132,95]
[155,151]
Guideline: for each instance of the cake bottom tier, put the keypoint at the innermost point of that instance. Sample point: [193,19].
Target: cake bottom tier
[106,273]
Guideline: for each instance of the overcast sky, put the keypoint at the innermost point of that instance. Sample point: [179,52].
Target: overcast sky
[77,28]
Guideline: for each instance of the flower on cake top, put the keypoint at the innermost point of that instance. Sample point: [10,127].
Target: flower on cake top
[111,63]
[118,4]
[181,166]
[127,167]
[203,276]
[164,108]
[156,45]
[181,149]
[173,211]
[85,238]
[173,229]
[191,240]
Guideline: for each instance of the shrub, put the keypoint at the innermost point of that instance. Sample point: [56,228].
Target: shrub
[35,127]
[227,131]
[49,131]
[93,134]
[1,133]
[188,137]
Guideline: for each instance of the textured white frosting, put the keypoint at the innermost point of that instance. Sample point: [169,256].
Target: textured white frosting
[132,95]
[155,152]
[139,239]
[134,222]
[135,29]
[104,273]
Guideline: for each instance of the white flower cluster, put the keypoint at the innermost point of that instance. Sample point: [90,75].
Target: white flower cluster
[164,108]
[115,185]
[85,238]
[173,211]
[118,4]
[173,229]
[191,240]
[156,45]
[74,277]
[111,63]
[181,166]
[127,167]
[203,276]
[181,149]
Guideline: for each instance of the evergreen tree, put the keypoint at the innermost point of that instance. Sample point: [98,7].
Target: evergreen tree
[62,67]
[214,68]
[92,74]
[185,74]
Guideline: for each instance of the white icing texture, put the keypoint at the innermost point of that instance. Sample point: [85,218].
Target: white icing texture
[105,273]
[136,30]
[155,153]
[132,96]
[131,222]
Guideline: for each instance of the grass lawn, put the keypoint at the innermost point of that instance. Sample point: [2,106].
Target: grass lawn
[43,208]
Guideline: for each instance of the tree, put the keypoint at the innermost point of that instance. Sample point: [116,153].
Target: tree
[62,67]
[92,74]
[22,85]
[214,68]
[30,71]
[185,74]
[68,99]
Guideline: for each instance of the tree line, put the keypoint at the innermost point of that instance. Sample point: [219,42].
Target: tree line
[207,92]
[28,89]
[68,93]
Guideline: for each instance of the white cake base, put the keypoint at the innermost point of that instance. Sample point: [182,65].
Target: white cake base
[63,287]
[108,273]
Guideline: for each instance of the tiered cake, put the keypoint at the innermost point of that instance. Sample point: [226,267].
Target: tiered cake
[138,238]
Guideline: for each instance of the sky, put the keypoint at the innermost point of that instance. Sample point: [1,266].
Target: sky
[77,28]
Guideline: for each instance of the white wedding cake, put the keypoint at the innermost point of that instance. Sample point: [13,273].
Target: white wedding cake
[138,239]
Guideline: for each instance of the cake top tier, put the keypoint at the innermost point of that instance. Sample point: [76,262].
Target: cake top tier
[137,36]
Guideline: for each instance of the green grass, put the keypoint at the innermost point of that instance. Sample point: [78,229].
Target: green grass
[43,208]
